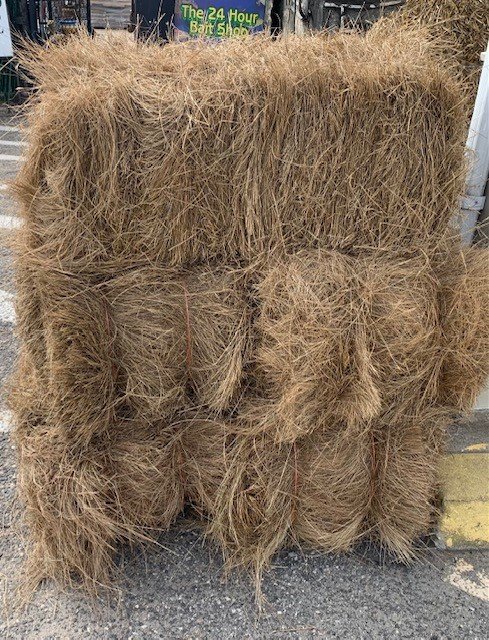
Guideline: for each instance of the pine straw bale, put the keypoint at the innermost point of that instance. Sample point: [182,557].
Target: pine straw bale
[252,509]
[464,315]
[311,351]
[149,476]
[100,462]
[190,153]
[308,467]
[83,502]
[343,339]
[401,298]
[333,487]
[143,342]
[147,167]
[405,481]
[261,496]
[180,335]
[327,490]
[82,369]
[66,510]
[66,342]
[462,25]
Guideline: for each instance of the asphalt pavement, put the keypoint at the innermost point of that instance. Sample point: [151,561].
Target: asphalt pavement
[178,590]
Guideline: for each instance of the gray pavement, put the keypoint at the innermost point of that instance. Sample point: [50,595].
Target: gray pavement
[178,590]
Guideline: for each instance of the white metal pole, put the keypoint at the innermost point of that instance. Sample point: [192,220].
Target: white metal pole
[478,150]
[478,144]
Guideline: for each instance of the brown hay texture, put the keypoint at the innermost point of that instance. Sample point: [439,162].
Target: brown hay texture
[465,331]
[179,335]
[238,292]
[460,29]
[191,154]
[369,338]
[463,26]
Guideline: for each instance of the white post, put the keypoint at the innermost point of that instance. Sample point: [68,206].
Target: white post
[478,148]
[6,50]
[476,185]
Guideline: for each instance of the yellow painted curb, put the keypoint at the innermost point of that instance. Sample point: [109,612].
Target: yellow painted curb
[464,523]
[465,476]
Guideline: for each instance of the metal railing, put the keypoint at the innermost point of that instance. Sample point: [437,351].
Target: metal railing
[338,14]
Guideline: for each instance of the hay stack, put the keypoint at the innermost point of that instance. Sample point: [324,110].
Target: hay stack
[189,154]
[237,291]
[404,478]
[462,25]
[312,357]
[460,29]
[82,503]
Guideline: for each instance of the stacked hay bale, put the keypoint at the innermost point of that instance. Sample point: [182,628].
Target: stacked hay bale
[463,26]
[460,26]
[238,290]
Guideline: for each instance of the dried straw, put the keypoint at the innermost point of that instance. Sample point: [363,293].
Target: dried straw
[463,25]
[82,502]
[180,334]
[464,311]
[191,153]
[405,479]
[344,339]
[236,291]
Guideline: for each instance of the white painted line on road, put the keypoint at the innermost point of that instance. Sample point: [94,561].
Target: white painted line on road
[9,158]
[6,127]
[12,143]
[5,421]
[10,222]
[7,311]
[478,588]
